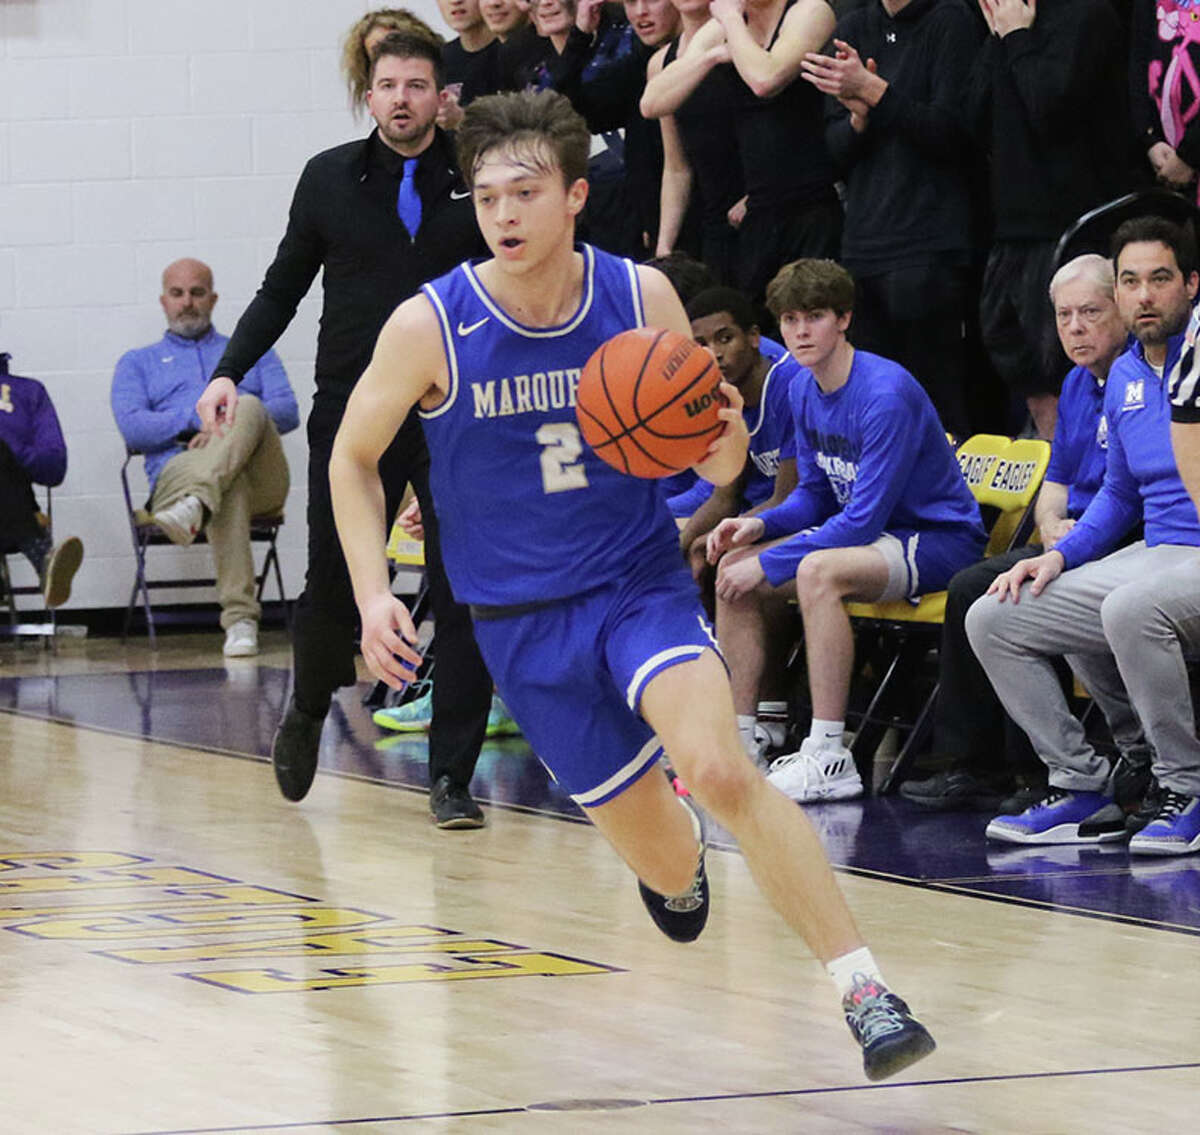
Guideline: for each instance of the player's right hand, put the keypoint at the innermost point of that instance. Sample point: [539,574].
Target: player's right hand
[389,641]
[1041,570]
[217,405]
[410,521]
[733,532]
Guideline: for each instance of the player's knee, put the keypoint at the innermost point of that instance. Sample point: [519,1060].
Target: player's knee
[1126,614]
[981,618]
[817,578]
[720,781]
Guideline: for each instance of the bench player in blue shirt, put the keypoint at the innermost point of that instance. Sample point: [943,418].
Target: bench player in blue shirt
[584,611]
[880,511]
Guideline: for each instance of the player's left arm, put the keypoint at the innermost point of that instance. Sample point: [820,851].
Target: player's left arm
[726,457]
[408,364]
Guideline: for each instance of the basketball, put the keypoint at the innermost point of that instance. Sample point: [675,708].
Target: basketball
[647,402]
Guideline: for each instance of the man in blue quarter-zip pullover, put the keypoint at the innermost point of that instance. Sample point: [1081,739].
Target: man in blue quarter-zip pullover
[199,478]
[880,511]
[1110,613]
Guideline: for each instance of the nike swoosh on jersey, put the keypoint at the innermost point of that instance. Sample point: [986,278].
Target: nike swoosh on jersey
[456,196]
[464,330]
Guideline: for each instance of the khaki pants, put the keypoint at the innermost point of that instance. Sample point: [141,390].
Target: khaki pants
[239,475]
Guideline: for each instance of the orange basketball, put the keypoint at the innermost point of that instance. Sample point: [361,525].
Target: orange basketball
[647,402]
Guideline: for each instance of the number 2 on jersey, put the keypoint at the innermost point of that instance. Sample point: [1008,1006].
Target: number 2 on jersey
[561,448]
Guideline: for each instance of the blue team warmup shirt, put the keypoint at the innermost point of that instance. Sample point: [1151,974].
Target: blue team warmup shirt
[870,457]
[770,427]
[1079,453]
[1141,481]
[527,512]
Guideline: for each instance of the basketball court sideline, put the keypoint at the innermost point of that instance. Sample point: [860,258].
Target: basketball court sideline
[183,950]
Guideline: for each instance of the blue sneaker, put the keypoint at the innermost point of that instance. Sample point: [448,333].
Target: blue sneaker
[1062,816]
[411,717]
[891,1037]
[500,722]
[1175,829]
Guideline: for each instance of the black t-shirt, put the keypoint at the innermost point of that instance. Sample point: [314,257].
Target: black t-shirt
[474,72]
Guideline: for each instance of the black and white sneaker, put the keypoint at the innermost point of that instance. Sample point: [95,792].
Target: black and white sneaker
[682,917]
[891,1037]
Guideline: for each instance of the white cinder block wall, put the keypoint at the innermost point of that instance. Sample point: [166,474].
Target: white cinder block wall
[133,132]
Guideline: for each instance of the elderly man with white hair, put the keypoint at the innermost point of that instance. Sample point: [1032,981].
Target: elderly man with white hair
[983,752]
[1122,618]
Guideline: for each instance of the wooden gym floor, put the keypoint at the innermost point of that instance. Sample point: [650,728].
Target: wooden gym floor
[183,950]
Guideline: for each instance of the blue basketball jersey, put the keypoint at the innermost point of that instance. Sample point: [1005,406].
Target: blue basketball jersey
[527,512]
[771,430]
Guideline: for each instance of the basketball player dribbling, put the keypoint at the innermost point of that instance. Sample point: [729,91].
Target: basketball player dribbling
[584,610]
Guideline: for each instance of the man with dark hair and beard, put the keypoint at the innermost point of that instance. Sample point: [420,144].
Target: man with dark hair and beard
[378,217]
[1117,616]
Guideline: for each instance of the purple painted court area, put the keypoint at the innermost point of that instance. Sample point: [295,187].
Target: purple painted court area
[234,712]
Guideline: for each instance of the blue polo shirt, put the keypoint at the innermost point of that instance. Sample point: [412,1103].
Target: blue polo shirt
[1141,481]
[1080,449]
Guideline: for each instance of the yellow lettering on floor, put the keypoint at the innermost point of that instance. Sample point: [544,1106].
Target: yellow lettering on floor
[89,880]
[392,940]
[67,860]
[167,899]
[189,922]
[451,969]
[192,907]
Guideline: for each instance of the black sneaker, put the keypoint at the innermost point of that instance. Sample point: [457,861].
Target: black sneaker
[1130,779]
[1147,809]
[294,751]
[1021,799]
[891,1037]
[681,917]
[452,806]
[954,789]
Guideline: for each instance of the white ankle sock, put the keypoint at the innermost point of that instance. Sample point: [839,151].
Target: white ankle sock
[857,963]
[772,709]
[828,732]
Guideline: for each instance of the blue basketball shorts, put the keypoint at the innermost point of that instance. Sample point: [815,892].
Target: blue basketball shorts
[572,674]
[924,561]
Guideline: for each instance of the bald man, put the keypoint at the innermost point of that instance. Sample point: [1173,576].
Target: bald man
[206,480]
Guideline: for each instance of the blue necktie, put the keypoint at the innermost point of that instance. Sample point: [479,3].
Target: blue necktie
[408,202]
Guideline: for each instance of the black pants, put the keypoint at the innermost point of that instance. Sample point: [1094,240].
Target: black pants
[914,315]
[969,723]
[770,238]
[1017,321]
[19,529]
[326,619]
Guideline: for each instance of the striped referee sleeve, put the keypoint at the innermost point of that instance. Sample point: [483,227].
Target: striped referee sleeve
[1185,376]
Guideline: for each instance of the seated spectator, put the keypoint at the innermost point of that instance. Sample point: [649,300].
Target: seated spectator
[880,511]
[32,452]
[970,726]
[1116,616]
[200,479]
[899,142]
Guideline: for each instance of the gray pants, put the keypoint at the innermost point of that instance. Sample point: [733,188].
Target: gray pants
[1122,623]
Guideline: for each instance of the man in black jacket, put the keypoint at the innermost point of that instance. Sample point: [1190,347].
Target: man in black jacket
[1047,100]
[379,217]
[898,139]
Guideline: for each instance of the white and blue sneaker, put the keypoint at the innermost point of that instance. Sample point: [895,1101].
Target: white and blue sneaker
[411,717]
[1175,829]
[1063,816]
